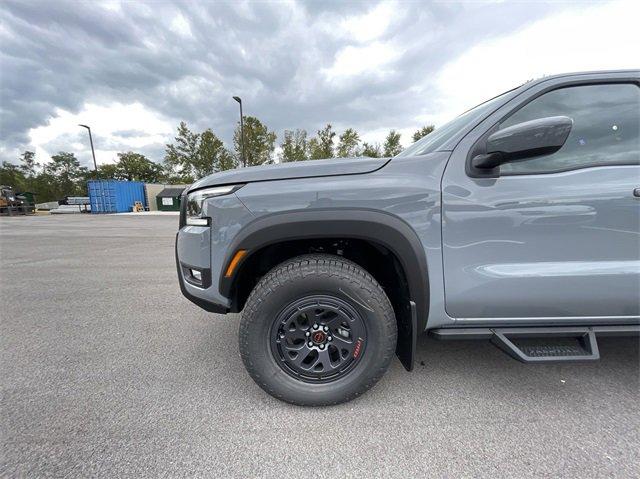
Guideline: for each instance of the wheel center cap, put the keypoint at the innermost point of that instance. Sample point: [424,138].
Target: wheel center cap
[318,337]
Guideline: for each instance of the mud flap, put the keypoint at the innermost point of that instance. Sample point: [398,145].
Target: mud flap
[407,336]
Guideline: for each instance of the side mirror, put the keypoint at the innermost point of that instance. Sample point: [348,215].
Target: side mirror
[525,140]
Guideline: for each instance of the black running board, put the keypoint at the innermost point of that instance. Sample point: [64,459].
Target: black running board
[543,350]
[542,345]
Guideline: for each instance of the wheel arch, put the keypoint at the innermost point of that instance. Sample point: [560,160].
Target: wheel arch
[379,230]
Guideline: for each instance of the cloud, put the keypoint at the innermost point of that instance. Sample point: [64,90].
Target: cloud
[372,24]
[181,26]
[144,67]
[115,128]
[356,60]
[597,37]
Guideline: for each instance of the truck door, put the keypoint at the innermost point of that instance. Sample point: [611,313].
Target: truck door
[554,236]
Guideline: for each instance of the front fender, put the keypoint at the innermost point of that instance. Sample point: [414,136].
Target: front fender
[376,227]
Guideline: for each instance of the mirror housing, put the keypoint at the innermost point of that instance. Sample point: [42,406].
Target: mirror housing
[538,137]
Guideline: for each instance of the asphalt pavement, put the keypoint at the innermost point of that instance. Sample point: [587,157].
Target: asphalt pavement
[106,370]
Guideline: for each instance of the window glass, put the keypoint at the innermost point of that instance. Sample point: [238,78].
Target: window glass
[436,139]
[606,127]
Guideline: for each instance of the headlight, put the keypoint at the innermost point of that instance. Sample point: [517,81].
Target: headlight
[195,200]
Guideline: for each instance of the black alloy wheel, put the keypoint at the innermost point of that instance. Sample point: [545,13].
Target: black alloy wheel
[318,338]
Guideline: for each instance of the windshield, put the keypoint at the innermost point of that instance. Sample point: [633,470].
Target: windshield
[438,137]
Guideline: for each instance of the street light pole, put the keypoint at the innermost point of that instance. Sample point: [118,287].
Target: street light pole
[93,153]
[244,158]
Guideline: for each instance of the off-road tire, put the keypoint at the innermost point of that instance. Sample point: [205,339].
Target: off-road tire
[304,276]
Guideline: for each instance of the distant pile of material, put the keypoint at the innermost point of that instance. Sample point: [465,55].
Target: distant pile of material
[70,209]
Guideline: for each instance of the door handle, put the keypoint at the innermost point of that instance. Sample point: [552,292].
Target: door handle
[636,192]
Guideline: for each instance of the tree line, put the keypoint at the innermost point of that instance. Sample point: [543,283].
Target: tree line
[193,155]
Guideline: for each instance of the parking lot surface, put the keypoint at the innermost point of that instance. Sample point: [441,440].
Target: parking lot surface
[106,370]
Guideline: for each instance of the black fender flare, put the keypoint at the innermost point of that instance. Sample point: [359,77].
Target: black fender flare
[378,227]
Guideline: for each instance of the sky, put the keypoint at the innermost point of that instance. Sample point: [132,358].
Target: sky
[134,70]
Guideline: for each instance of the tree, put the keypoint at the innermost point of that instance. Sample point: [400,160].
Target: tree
[28,164]
[26,177]
[107,171]
[137,167]
[180,156]
[392,144]
[226,161]
[212,155]
[371,150]
[62,176]
[294,146]
[194,155]
[46,187]
[322,146]
[12,175]
[424,131]
[259,142]
[349,143]
[68,174]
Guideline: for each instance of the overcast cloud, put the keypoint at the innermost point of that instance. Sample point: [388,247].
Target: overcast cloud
[134,70]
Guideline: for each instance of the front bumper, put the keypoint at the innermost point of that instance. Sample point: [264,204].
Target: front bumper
[202,249]
[205,304]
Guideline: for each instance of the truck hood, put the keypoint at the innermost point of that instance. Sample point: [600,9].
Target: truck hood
[298,169]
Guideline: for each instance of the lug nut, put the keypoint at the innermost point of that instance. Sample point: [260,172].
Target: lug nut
[315,326]
[329,338]
[281,335]
[326,328]
[307,334]
[321,346]
[310,344]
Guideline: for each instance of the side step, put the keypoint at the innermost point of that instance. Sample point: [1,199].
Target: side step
[547,347]
[542,345]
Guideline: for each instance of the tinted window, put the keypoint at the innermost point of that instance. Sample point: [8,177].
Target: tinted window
[606,125]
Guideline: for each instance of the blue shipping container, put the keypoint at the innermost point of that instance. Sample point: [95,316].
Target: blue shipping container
[111,196]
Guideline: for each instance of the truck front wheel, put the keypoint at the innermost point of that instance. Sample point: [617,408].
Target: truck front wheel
[317,330]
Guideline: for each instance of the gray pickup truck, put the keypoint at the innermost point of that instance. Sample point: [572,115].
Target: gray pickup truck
[518,222]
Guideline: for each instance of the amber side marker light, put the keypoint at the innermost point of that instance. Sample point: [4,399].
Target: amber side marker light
[241,253]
